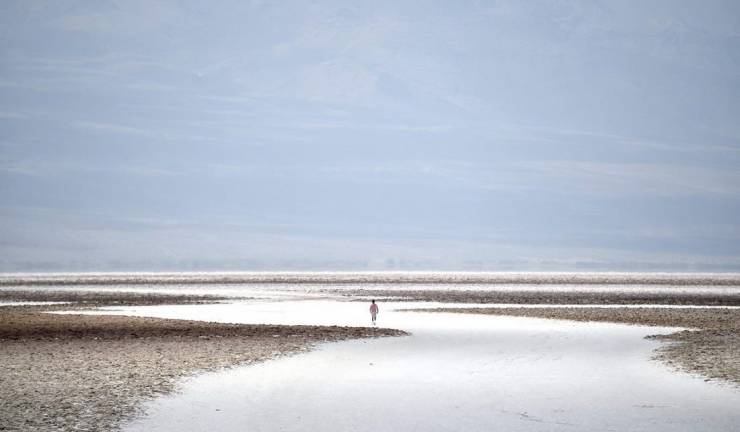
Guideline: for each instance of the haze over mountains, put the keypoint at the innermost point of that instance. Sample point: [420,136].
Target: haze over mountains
[552,135]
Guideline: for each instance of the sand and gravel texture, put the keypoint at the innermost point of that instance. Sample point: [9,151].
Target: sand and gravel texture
[709,345]
[79,299]
[90,373]
[495,296]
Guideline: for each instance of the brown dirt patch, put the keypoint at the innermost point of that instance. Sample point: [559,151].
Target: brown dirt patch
[89,373]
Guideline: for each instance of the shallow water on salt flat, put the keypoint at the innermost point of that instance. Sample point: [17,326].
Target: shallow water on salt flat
[455,372]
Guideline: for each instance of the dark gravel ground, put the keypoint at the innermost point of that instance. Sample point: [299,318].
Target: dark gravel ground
[546,297]
[91,372]
[104,298]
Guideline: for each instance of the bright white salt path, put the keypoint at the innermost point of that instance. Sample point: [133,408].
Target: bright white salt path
[456,372]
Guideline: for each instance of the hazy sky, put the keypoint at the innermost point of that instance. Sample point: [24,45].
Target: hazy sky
[484,135]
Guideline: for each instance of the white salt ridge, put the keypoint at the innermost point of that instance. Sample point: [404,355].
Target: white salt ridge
[678,279]
[30,303]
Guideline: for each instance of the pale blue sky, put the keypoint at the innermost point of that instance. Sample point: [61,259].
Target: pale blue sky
[484,135]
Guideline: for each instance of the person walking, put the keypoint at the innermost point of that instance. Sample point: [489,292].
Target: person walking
[373,311]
